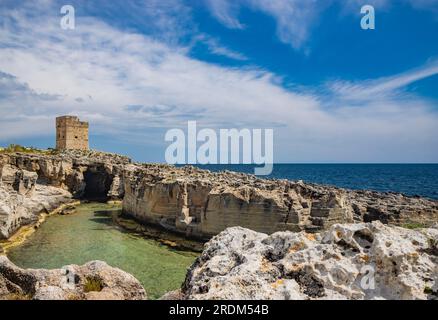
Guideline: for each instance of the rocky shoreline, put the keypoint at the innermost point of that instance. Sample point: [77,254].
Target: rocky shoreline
[173,240]
[35,184]
[348,261]
[193,202]
[18,209]
[92,281]
[309,241]
[21,235]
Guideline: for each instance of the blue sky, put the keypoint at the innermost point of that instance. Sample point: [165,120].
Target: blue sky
[331,91]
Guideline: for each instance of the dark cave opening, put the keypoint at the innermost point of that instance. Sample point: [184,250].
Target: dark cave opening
[97,184]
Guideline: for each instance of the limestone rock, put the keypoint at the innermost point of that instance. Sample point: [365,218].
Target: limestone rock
[201,204]
[198,203]
[17,210]
[93,281]
[349,261]
[73,169]
[31,184]
[22,181]
[173,295]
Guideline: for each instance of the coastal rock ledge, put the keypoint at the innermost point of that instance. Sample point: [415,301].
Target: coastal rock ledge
[93,281]
[193,202]
[348,261]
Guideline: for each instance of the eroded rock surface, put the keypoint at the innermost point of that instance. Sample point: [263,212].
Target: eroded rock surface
[93,281]
[31,184]
[22,200]
[77,171]
[198,203]
[349,261]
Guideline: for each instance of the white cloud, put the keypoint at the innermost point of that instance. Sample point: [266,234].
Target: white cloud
[168,21]
[226,12]
[111,71]
[216,48]
[295,19]
[384,87]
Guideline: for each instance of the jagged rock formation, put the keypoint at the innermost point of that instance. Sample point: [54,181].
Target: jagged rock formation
[349,261]
[31,184]
[201,204]
[238,263]
[22,200]
[83,173]
[93,281]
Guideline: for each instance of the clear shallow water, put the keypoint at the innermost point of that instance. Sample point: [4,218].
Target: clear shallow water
[410,179]
[89,234]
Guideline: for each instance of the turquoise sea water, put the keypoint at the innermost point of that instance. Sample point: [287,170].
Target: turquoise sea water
[90,234]
[410,179]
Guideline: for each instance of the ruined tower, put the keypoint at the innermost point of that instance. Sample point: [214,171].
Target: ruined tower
[71,133]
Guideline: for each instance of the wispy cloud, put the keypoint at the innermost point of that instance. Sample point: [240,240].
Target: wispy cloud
[226,12]
[384,87]
[140,85]
[295,19]
[168,21]
[216,48]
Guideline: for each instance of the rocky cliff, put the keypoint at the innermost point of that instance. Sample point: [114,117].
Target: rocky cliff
[349,261]
[199,203]
[237,263]
[31,184]
[22,200]
[88,174]
[93,281]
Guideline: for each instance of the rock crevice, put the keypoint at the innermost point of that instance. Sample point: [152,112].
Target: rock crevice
[31,184]
[348,261]
[200,204]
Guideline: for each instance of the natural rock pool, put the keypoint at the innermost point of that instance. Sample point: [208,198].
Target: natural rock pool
[91,234]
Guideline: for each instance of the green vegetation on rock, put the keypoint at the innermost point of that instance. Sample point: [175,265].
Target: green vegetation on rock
[18,148]
[413,225]
[93,284]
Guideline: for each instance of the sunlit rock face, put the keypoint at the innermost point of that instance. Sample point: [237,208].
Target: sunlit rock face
[73,170]
[31,184]
[348,261]
[201,204]
[22,199]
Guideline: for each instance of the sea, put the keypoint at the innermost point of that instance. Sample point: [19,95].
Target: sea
[409,179]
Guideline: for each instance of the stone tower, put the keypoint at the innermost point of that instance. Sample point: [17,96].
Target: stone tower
[71,133]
